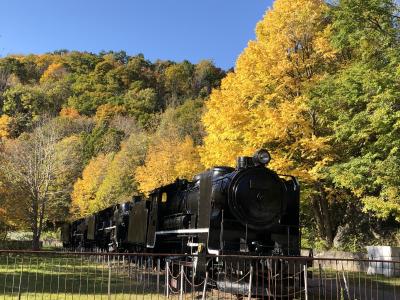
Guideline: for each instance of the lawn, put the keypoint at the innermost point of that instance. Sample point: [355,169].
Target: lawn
[61,276]
[355,285]
[77,277]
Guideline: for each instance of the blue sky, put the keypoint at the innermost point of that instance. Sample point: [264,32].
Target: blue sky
[166,29]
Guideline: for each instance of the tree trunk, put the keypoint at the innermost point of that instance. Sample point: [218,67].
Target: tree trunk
[4,233]
[35,235]
[41,218]
[38,224]
[35,221]
[36,242]
[322,215]
[318,216]
[327,222]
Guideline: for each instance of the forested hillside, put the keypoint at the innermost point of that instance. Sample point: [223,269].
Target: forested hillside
[76,126]
[319,87]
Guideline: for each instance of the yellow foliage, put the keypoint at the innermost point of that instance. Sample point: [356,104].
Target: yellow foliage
[4,126]
[69,112]
[264,103]
[384,209]
[106,111]
[54,71]
[167,159]
[12,201]
[119,184]
[85,188]
[45,60]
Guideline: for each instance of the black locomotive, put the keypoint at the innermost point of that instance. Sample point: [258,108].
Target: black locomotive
[247,209]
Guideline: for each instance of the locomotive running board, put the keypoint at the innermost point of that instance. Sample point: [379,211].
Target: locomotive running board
[194,230]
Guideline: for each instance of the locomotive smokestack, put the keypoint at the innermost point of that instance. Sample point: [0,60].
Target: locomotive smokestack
[261,157]
[244,162]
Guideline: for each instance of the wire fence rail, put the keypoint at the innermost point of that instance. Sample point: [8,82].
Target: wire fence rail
[83,275]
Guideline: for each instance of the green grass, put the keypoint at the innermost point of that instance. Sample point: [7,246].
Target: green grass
[358,278]
[74,278]
[50,276]
[359,285]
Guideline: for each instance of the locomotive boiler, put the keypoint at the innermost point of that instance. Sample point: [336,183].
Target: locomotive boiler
[248,209]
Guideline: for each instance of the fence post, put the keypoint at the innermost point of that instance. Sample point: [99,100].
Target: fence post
[321,281]
[305,282]
[109,279]
[203,297]
[181,289]
[250,281]
[158,275]
[167,277]
[345,283]
[20,279]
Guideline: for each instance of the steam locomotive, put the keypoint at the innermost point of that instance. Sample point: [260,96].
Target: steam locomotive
[248,209]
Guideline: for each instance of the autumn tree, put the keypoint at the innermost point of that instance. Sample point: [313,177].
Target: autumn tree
[85,188]
[167,159]
[68,164]
[69,112]
[26,103]
[119,183]
[106,112]
[4,126]
[265,102]
[185,120]
[30,169]
[12,215]
[55,71]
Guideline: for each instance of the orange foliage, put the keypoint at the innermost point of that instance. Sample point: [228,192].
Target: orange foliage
[69,112]
[106,111]
[54,71]
[4,126]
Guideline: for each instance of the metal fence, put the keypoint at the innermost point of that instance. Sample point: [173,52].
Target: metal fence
[72,275]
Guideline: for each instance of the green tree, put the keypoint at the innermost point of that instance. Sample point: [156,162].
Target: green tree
[102,139]
[206,77]
[141,104]
[178,82]
[184,119]
[81,62]
[360,104]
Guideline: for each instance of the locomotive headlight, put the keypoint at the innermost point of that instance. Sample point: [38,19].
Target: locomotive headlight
[261,157]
